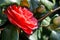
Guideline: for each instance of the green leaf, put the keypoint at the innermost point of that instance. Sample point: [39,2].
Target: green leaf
[4,2]
[55,35]
[46,21]
[36,35]
[59,3]
[54,1]
[49,5]
[10,33]
[33,4]
[3,18]
[46,31]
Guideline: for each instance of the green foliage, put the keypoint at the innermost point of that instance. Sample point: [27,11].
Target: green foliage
[10,33]
[4,2]
[3,17]
[36,35]
[49,5]
[46,21]
[55,35]
[47,29]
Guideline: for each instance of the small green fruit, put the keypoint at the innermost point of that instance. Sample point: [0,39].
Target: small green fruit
[56,21]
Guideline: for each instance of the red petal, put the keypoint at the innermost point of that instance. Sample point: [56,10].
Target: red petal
[27,13]
[32,23]
[26,30]
[23,18]
[14,7]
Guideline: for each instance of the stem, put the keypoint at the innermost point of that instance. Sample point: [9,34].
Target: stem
[49,13]
[1,29]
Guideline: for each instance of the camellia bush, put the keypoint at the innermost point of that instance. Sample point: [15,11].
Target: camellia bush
[29,19]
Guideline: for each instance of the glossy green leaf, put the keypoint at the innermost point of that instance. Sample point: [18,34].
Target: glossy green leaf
[10,33]
[55,35]
[59,2]
[46,31]
[3,18]
[48,4]
[36,35]
[33,4]
[4,2]
[46,21]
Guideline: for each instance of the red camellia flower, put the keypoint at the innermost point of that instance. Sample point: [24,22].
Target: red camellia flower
[22,18]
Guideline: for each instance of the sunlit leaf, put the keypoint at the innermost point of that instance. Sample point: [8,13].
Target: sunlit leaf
[46,21]
[48,4]
[36,35]
[4,2]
